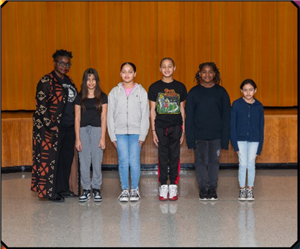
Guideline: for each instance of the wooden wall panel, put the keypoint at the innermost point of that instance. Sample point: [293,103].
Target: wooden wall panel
[280,144]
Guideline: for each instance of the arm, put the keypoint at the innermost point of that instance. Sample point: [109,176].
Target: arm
[183,121]
[233,132]
[110,118]
[226,121]
[261,129]
[152,120]
[78,144]
[145,118]
[43,92]
[103,126]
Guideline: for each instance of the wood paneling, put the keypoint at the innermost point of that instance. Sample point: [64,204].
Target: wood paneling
[255,40]
[280,143]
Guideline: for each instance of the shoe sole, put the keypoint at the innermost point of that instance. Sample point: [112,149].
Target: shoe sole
[163,199]
[212,199]
[84,200]
[124,200]
[97,200]
[134,199]
[242,199]
[173,198]
[202,199]
[248,199]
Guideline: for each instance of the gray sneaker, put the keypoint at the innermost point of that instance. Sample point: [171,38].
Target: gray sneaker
[242,195]
[250,196]
[134,195]
[124,196]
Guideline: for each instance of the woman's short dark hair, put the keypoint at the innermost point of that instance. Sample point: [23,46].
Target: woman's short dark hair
[62,52]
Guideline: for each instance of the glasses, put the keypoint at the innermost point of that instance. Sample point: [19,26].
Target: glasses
[62,64]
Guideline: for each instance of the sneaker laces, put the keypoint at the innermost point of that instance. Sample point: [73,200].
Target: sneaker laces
[172,191]
[124,193]
[134,192]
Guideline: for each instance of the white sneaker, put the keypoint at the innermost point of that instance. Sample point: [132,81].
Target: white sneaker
[124,196]
[173,192]
[163,192]
[134,195]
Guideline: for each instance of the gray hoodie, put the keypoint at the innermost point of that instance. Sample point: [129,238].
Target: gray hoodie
[128,115]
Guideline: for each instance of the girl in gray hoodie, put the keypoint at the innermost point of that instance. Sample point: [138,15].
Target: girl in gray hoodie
[128,125]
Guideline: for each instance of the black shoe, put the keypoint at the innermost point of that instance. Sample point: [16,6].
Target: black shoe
[67,194]
[57,198]
[212,195]
[203,194]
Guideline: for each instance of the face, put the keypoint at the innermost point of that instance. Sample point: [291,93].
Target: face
[62,65]
[167,68]
[91,82]
[207,74]
[127,74]
[248,91]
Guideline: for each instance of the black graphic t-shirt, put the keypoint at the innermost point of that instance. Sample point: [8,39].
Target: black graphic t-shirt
[167,97]
[68,115]
[91,115]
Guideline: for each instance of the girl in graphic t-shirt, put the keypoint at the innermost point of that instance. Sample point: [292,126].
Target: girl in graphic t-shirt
[167,116]
[90,128]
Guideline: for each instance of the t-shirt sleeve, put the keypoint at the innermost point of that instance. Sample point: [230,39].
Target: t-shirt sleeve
[104,99]
[152,94]
[183,94]
[77,99]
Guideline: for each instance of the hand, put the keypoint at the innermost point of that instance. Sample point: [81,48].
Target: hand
[155,139]
[115,143]
[78,145]
[55,128]
[182,137]
[140,143]
[102,144]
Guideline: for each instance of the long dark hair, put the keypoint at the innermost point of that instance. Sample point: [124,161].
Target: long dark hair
[217,78]
[97,90]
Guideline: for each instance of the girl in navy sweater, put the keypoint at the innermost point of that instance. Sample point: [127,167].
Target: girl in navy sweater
[247,134]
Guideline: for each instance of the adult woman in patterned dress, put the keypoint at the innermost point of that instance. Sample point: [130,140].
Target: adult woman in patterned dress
[51,101]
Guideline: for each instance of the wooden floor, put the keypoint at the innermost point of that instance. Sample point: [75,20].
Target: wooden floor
[280,143]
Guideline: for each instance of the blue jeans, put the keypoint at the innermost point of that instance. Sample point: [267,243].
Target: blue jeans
[129,153]
[247,155]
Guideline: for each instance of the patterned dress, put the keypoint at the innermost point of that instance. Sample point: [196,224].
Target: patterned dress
[50,100]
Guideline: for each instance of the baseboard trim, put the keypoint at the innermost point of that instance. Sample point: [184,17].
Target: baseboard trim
[184,166]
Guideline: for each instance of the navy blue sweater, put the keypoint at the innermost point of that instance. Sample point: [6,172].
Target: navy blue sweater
[207,115]
[247,123]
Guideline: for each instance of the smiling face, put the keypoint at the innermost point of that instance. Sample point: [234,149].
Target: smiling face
[127,73]
[248,91]
[60,67]
[91,82]
[207,75]
[167,68]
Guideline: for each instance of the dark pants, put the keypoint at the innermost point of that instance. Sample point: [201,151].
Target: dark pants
[207,164]
[65,153]
[168,153]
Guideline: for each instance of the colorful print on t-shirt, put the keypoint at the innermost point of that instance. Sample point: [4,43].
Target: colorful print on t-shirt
[168,102]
